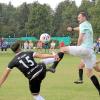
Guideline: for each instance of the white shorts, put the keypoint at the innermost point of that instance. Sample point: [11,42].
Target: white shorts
[86,54]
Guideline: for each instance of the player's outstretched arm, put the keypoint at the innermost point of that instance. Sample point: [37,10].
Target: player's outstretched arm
[76,29]
[70,29]
[37,55]
[4,76]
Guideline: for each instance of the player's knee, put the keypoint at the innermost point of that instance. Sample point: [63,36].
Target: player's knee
[97,68]
[89,73]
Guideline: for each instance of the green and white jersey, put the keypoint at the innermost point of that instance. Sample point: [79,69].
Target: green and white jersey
[86,29]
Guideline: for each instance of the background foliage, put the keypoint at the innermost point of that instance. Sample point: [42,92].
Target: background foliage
[35,18]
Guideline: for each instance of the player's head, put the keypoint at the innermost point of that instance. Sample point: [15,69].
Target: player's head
[82,16]
[15,47]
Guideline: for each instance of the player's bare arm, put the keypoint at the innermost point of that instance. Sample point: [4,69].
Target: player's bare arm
[80,39]
[70,29]
[38,55]
[4,76]
[76,29]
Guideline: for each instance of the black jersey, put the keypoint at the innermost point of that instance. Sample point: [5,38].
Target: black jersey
[24,61]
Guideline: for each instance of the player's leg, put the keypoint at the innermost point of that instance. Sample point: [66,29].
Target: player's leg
[35,89]
[38,97]
[90,62]
[81,66]
[55,63]
[73,50]
[35,84]
[60,54]
[80,73]
[93,78]
[97,67]
[98,61]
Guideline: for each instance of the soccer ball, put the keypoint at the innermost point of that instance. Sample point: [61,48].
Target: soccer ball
[45,38]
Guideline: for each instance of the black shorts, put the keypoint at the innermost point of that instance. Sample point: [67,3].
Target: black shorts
[35,83]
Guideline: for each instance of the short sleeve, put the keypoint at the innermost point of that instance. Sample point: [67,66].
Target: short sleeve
[83,28]
[11,65]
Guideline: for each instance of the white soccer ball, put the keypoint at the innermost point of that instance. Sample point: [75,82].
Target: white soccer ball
[45,38]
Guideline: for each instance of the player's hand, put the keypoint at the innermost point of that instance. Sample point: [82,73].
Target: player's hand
[70,29]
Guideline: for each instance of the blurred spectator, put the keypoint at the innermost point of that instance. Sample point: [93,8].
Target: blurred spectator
[62,44]
[26,45]
[97,47]
[39,46]
[46,47]
[52,45]
[4,46]
[30,45]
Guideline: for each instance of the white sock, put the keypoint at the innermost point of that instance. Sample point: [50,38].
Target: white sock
[48,60]
[38,97]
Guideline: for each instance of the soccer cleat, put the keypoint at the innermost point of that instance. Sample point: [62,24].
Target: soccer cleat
[51,69]
[78,82]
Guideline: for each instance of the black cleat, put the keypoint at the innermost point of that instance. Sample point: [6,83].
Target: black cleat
[51,69]
[78,82]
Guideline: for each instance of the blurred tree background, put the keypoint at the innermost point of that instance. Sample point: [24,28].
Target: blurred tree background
[35,18]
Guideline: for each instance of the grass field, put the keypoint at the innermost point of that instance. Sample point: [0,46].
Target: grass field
[58,86]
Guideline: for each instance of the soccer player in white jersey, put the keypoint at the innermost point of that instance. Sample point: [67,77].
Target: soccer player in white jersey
[84,49]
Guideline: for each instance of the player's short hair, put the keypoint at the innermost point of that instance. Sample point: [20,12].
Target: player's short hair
[15,46]
[84,14]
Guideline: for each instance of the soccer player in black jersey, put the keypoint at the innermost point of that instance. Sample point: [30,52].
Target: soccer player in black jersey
[25,62]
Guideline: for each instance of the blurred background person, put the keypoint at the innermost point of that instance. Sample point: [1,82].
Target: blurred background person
[26,45]
[30,45]
[52,46]
[62,44]
[39,46]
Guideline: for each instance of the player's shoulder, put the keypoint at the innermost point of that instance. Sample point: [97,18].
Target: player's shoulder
[29,53]
[13,61]
[85,25]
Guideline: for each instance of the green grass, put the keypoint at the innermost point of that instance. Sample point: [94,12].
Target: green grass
[58,86]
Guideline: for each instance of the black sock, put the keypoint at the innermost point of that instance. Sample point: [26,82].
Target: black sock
[95,82]
[60,54]
[81,74]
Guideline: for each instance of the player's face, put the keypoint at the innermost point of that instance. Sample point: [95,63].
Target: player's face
[81,18]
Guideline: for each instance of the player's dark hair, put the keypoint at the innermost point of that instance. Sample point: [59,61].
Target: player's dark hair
[84,14]
[15,46]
